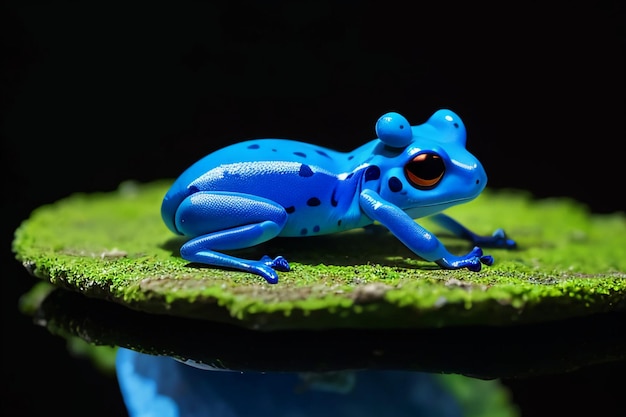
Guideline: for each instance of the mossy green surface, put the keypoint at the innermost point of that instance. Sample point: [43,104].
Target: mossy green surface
[114,246]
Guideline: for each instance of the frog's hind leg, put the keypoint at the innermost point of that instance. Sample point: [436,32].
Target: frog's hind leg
[202,249]
[226,221]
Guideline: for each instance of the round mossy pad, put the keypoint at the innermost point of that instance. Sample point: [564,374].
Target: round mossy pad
[114,246]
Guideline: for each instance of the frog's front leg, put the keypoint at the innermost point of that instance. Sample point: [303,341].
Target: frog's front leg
[416,237]
[226,221]
[498,239]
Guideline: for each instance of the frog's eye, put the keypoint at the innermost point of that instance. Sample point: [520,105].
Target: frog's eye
[425,170]
[394,130]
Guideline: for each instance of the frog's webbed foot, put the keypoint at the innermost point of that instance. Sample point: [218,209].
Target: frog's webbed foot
[267,267]
[279,263]
[472,261]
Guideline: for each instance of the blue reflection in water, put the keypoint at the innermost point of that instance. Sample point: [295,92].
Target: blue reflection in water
[165,387]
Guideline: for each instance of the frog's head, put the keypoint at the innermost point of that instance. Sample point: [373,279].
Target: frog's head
[426,168]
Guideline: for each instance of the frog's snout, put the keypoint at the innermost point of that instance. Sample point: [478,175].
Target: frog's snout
[480,179]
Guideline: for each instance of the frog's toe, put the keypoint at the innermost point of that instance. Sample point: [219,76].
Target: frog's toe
[279,263]
[476,252]
[472,261]
[502,241]
[270,276]
[264,270]
[474,266]
[487,259]
[476,259]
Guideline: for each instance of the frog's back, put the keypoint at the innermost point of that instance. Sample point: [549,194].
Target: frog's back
[283,150]
[267,158]
[268,150]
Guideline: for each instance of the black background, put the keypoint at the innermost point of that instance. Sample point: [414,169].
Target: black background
[97,93]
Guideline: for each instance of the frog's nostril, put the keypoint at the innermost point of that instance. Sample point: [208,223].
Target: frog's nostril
[481,181]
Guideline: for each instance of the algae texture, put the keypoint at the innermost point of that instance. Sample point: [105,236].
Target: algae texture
[114,246]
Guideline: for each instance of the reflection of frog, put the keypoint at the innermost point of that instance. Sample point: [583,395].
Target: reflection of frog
[340,382]
[253,191]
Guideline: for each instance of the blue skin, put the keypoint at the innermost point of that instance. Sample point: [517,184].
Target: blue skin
[250,192]
[162,386]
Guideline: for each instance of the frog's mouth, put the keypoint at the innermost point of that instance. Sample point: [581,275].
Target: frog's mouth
[422,210]
[450,203]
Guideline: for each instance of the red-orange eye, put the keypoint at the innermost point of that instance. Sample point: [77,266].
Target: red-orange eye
[425,170]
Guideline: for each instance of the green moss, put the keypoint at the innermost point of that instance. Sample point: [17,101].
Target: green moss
[114,246]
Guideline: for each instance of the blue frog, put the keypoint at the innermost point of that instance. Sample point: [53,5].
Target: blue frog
[252,191]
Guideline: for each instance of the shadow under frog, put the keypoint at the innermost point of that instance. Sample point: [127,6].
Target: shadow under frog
[351,248]
[255,191]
